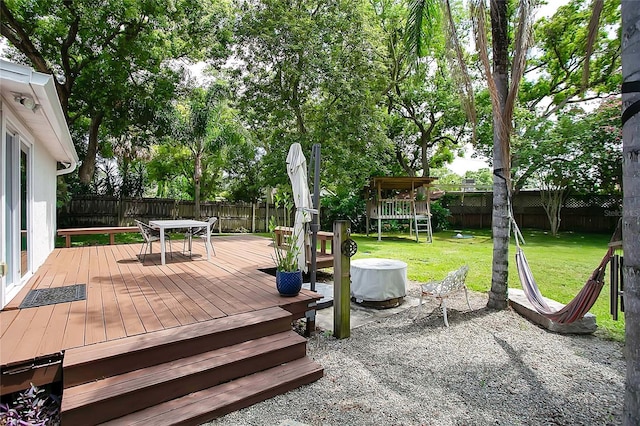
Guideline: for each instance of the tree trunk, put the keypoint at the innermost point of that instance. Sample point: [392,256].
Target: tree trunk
[552,201]
[498,298]
[295,96]
[631,211]
[424,141]
[88,167]
[197,175]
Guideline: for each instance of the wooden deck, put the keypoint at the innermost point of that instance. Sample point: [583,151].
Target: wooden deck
[126,298]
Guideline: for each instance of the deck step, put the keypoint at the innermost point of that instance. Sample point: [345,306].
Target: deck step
[199,407]
[94,362]
[113,397]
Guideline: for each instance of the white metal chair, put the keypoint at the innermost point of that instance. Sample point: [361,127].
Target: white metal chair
[199,232]
[441,290]
[150,235]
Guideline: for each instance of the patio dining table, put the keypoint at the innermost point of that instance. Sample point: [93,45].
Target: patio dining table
[180,224]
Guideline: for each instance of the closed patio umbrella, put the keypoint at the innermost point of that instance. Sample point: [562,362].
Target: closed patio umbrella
[297,171]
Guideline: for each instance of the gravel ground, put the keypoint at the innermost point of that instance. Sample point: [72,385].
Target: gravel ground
[486,368]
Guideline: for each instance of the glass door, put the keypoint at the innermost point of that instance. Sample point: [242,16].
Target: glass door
[9,213]
[5,192]
[16,164]
[24,210]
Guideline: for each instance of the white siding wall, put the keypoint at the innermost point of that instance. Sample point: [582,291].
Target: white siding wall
[43,218]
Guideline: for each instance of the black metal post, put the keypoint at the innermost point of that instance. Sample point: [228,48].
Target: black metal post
[315,221]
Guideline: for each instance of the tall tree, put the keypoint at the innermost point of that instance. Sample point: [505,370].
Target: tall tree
[427,120]
[503,78]
[555,76]
[307,75]
[631,206]
[579,153]
[202,126]
[109,56]
[503,75]
[576,151]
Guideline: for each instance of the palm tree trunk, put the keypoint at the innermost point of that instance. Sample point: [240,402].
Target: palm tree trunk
[197,177]
[631,211]
[498,298]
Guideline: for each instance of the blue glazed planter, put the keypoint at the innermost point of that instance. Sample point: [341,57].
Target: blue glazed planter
[288,283]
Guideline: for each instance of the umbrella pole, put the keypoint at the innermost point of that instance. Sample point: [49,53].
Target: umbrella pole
[315,222]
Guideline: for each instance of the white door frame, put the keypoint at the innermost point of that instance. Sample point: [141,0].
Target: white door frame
[10,217]
[3,203]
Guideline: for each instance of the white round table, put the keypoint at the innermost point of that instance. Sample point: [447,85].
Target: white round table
[376,280]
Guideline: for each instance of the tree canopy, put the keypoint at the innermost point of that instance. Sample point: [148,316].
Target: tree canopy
[341,74]
[116,62]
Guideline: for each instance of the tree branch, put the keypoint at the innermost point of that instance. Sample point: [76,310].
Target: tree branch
[14,32]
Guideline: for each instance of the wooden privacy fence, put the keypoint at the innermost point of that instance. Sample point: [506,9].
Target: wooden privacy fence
[580,213]
[89,211]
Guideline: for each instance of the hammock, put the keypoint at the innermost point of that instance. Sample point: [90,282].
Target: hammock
[580,304]
[584,300]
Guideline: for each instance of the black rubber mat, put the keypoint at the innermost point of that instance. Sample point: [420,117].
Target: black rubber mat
[51,296]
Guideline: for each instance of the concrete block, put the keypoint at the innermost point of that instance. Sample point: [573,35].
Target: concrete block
[519,302]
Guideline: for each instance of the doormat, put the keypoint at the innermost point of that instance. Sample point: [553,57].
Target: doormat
[51,296]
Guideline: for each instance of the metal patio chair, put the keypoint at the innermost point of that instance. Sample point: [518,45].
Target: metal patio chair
[199,232]
[150,235]
[441,290]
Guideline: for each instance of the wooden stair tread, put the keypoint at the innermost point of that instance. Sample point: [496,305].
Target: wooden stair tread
[128,383]
[201,406]
[172,336]
[118,357]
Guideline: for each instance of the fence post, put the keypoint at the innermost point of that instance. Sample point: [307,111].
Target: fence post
[120,220]
[341,282]
[253,217]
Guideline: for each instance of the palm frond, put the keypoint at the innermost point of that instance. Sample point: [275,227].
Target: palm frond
[524,39]
[478,16]
[461,71]
[503,108]
[423,15]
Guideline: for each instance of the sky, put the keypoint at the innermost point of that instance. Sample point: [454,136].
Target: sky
[462,165]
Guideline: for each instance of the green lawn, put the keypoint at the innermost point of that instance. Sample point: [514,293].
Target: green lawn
[561,265]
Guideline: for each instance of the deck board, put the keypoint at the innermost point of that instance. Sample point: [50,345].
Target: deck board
[209,289]
[126,297]
[6,319]
[158,313]
[219,282]
[132,321]
[15,333]
[95,330]
[75,323]
[34,327]
[57,322]
[114,325]
[195,297]
[161,296]
[182,296]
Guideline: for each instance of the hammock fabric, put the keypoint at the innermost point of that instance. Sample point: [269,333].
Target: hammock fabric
[578,307]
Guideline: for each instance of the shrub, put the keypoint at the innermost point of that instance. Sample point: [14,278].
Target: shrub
[31,407]
[439,216]
[342,207]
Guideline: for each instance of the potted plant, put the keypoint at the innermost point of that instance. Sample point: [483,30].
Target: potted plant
[288,274]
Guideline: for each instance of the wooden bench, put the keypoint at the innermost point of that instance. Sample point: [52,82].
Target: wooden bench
[323,259]
[110,230]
